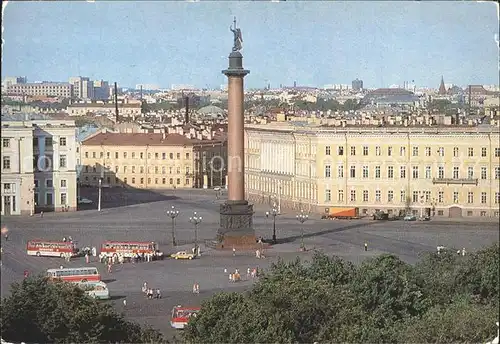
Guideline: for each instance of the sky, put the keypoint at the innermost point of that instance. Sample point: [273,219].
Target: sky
[311,42]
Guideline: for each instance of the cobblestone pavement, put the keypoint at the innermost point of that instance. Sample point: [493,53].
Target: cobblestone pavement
[147,222]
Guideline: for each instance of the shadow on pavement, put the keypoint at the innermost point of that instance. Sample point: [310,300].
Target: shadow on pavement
[111,280]
[323,232]
[116,297]
[119,197]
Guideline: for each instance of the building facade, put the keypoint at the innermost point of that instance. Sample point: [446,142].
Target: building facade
[54,89]
[449,172]
[150,161]
[125,110]
[38,166]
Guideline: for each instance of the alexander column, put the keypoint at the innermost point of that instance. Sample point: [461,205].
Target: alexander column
[236,224]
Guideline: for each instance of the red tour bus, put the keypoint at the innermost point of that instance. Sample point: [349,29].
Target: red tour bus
[181,315]
[85,274]
[50,248]
[127,248]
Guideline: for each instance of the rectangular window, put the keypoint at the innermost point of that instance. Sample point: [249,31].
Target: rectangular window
[455,196]
[187,181]
[497,197]
[6,163]
[101,154]
[48,199]
[428,172]
[5,143]
[156,169]
[470,197]
[328,195]
[353,195]
[178,181]
[14,203]
[415,151]
[108,155]
[497,152]
[390,196]
[35,142]
[164,180]
[141,155]
[187,155]
[497,173]
[133,169]
[389,151]
[64,200]
[402,172]
[378,151]
[390,172]
[157,155]
[327,150]
[327,171]
[340,171]
[163,156]
[133,155]
[483,152]
[427,151]
[455,172]
[365,195]
[415,172]
[378,196]
[352,172]
[377,172]
[48,143]
[340,150]
[414,199]
[470,172]
[365,171]
[440,172]
[353,150]
[341,196]
[94,155]
[440,196]
[455,152]
[441,151]
[62,141]
[63,183]
[402,151]
[402,196]
[163,170]
[483,197]
[62,161]
[365,151]
[116,155]
[48,183]
[470,152]
[171,155]
[142,180]
[178,157]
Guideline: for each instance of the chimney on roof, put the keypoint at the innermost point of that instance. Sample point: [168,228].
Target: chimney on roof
[186,118]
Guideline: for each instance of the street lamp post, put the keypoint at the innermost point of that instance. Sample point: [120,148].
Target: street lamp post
[172,213]
[302,218]
[99,200]
[195,220]
[274,212]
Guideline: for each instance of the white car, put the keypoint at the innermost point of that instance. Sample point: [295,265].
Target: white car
[84,201]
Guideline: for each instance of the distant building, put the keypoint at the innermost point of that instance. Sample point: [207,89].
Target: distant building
[54,89]
[147,87]
[390,96]
[13,80]
[101,90]
[357,84]
[83,87]
[38,165]
[125,110]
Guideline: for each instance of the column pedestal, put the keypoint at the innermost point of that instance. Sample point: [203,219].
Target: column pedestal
[236,225]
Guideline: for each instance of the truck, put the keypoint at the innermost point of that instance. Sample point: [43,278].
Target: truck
[341,213]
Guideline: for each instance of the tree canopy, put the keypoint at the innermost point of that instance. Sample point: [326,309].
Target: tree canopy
[444,298]
[39,311]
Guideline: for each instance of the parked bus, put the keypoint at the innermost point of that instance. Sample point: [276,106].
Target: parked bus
[84,274]
[128,248]
[96,290]
[181,316]
[50,248]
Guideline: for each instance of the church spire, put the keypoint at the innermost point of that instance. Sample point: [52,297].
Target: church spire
[442,88]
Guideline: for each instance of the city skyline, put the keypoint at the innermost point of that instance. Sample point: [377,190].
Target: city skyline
[312,43]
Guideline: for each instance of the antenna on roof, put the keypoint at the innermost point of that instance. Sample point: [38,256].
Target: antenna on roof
[186,118]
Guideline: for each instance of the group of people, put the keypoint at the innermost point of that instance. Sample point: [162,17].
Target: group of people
[461,252]
[235,277]
[150,292]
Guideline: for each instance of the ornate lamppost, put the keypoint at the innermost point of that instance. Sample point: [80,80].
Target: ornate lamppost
[172,213]
[273,212]
[302,218]
[195,220]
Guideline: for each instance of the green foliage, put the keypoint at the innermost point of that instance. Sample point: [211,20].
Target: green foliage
[382,300]
[63,313]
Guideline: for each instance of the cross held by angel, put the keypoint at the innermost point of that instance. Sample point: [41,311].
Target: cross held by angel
[238,40]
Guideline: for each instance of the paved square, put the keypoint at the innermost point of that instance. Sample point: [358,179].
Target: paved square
[140,215]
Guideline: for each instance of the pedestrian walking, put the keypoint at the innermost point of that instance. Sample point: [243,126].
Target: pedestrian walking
[94,252]
[109,267]
[41,213]
[64,239]
[463,251]
[248,272]
[150,293]
[366,247]
[87,258]
[26,274]
[125,302]
[196,288]
[231,279]
[234,252]
[158,294]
